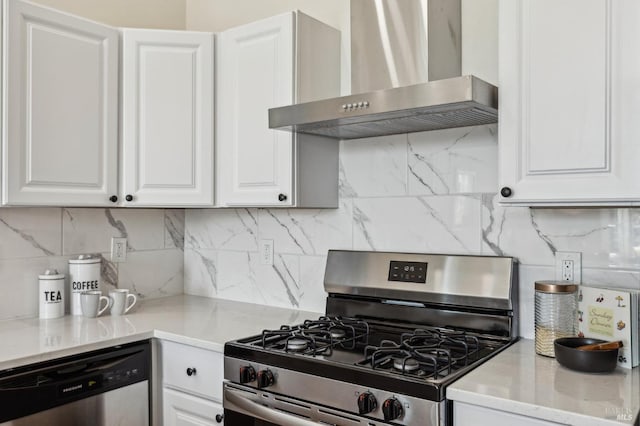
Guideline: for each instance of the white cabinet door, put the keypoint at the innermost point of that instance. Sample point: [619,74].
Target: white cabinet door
[181,409]
[167,118]
[568,101]
[255,72]
[467,414]
[61,130]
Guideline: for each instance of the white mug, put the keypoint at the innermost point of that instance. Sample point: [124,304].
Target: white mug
[118,300]
[90,302]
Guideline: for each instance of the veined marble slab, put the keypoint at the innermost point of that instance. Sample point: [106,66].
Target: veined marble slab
[521,382]
[90,230]
[453,161]
[30,232]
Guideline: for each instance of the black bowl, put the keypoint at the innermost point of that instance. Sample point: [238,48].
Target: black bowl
[599,361]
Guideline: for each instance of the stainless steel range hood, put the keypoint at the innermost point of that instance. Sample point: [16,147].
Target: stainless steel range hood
[441,104]
[405,71]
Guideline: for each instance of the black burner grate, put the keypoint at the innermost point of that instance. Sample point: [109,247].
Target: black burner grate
[318,337]
[428,353]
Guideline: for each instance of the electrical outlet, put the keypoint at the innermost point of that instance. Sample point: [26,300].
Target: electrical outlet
[118,249]
[266,252]
[567,270]
[569,267]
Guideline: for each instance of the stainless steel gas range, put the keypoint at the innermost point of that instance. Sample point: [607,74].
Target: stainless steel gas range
[398,329]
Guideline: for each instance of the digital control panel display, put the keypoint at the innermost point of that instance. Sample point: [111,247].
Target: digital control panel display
[408,272]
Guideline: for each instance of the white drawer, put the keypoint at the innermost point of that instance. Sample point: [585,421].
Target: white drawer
[183,409]
[179,360]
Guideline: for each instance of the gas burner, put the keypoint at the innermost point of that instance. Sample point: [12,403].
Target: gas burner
[405,364]
[419,361]
[295,344]
[294,339]
[317,337]
[421,338]
[462,347]
[347,333]
[338,333]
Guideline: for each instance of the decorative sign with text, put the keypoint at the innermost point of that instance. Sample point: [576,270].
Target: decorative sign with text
[600,320]
[610,315]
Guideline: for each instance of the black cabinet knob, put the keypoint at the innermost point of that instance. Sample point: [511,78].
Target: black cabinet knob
[191,371]
[265,378]
[129,197]
[247,374]
[392,409]
[219,418]
[506,192]
[113,198]
[367,402]
[282,197]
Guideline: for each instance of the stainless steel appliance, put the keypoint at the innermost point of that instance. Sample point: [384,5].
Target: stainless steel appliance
[398,329]
[102,388]
[406,76]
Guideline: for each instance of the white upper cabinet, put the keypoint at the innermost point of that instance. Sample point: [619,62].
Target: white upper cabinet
[60,134]
[569,104]
[274,62]
[255,72]
[167,118]
[87,125]
[61,141]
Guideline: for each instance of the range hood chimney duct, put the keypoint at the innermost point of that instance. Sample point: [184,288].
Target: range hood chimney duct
[405,76]
[401,43]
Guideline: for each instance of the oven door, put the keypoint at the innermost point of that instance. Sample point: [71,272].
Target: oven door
[245,406]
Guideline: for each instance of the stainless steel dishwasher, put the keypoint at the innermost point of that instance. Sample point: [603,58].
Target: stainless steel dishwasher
[102,388]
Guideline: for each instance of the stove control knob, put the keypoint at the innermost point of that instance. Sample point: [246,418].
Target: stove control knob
[247,374]
[367,402]
[392,409]
[265,378]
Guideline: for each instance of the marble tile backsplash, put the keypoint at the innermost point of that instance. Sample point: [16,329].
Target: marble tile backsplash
[35,239]
[424,192]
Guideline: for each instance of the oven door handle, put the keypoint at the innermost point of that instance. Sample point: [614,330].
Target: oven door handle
[264,413]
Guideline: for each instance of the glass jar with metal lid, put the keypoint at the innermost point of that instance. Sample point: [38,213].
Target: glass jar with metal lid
[556,306]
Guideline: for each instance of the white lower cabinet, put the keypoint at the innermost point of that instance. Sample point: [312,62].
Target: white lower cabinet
[470,415]
[182,409]
[191,385]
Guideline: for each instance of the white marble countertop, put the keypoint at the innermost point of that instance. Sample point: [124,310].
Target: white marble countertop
[516,380]
[520,382]
[198,321]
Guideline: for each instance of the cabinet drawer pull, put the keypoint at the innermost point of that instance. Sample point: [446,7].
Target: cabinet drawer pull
[282,197]
[129,197]
[219,418]
[113,198]
[191,371]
